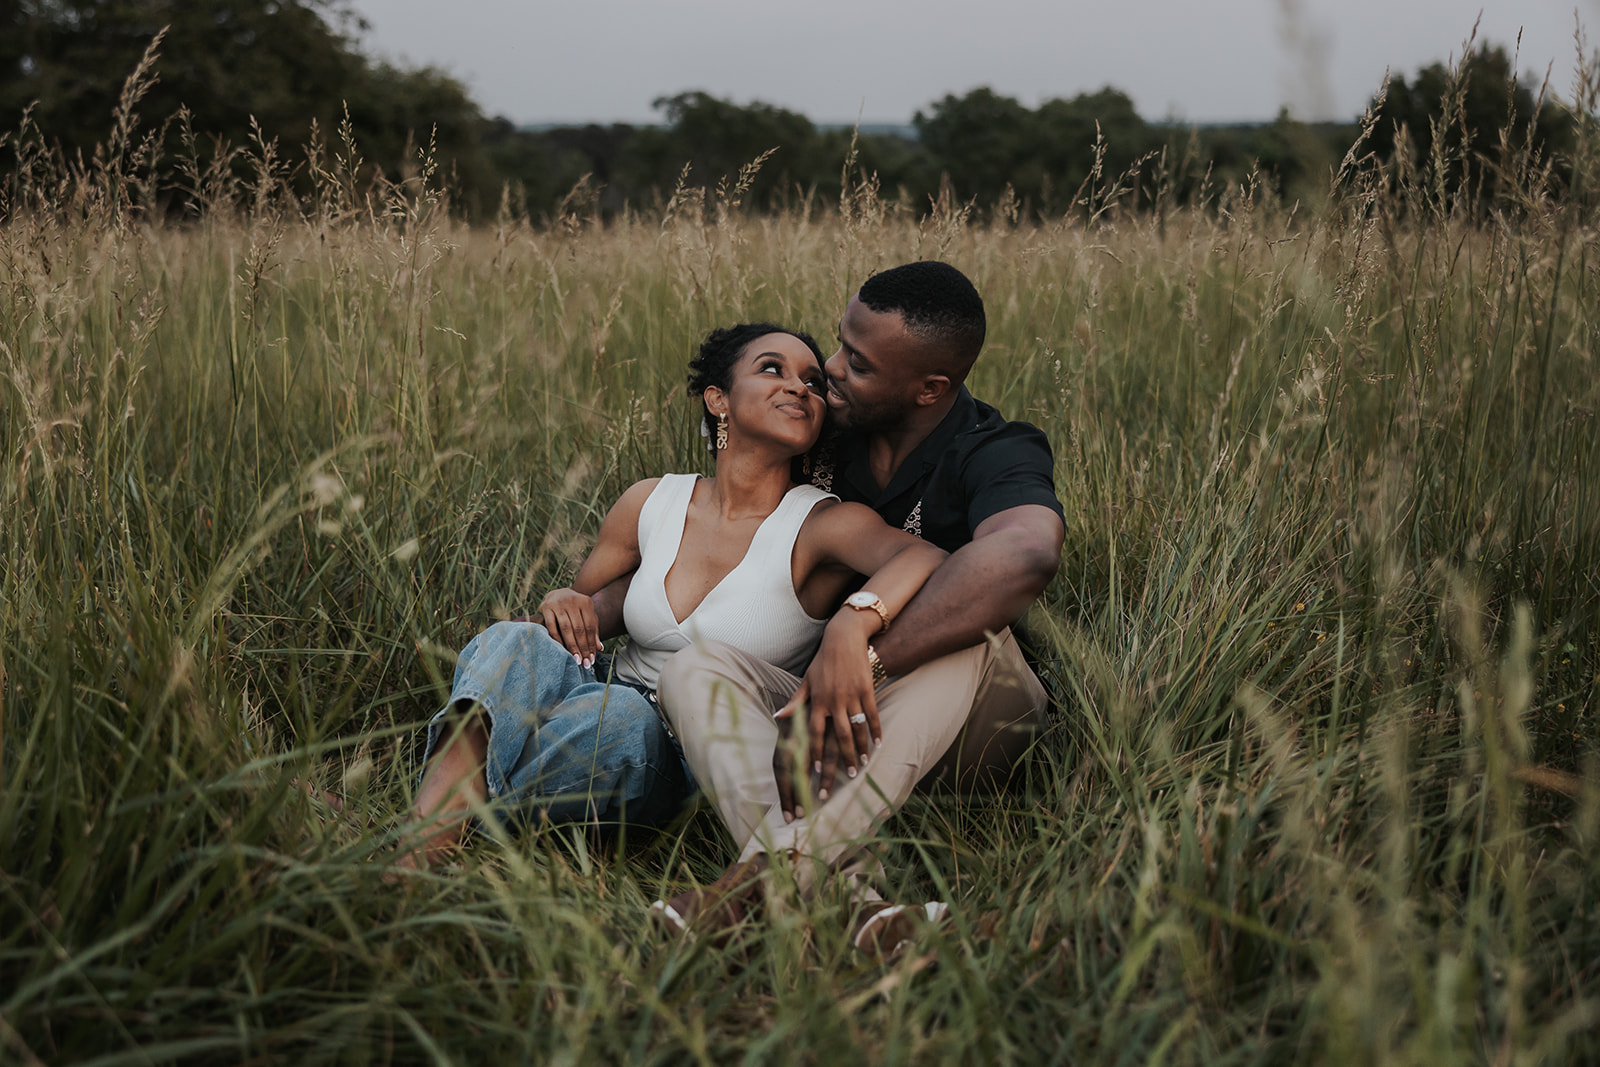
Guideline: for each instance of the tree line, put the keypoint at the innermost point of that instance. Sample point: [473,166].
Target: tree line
[236,73]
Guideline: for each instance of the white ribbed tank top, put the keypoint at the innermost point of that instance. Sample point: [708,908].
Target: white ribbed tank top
[754,608]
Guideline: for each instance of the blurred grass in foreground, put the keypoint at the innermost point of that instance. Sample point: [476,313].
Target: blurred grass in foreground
[1324,785]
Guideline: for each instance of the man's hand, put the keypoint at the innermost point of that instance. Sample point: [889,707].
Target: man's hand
[570,618]
[789,760]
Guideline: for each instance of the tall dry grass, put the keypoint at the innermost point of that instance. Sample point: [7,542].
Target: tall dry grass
[1323,782]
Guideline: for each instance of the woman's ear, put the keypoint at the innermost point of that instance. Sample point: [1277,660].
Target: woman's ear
[716,401]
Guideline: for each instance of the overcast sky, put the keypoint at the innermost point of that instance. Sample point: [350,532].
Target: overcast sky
[881,60]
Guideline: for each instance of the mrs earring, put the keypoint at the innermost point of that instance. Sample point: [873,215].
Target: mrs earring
[722,432]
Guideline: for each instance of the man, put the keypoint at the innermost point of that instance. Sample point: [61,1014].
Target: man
[950,697]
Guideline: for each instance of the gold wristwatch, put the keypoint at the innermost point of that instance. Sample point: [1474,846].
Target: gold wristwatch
[879,675]
[865,601]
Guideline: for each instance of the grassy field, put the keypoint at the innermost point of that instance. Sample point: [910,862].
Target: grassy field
[1323,785]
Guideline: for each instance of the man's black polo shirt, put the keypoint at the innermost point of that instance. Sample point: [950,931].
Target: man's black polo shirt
[973,465]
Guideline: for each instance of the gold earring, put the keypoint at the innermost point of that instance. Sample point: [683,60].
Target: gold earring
[722,432]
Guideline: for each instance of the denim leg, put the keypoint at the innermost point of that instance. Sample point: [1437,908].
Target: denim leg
[516,664]
[601,754]
[561,742]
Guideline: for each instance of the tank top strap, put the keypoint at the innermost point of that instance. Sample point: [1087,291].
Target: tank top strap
[778,534]
[663,513]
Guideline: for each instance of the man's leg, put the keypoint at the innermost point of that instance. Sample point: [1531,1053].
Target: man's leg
[722,699]
[1007,714]
[921,715]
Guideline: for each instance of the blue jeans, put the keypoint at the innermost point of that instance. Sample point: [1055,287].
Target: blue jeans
[564,744]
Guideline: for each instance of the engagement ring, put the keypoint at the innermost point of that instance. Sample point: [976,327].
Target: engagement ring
[859,717]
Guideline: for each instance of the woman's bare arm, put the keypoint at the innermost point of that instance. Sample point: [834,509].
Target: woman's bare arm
[838,685]
[569,613]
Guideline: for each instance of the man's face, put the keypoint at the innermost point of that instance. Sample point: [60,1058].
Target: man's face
[874,376]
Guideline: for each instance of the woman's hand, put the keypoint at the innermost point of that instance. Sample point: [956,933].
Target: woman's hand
[571,619]
[840,703]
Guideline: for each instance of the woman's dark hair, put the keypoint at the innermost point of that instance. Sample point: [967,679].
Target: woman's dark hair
[713,364]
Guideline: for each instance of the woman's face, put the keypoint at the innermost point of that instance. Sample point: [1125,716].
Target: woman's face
[776,394]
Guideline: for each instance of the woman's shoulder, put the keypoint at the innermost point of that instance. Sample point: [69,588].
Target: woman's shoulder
[648,500]
[636,494]
[803,503]
[830,515]
[810,494]
[634,498]
[825,503]
[641,490]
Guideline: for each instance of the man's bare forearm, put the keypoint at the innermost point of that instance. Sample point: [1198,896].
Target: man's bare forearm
[982,588]
[608,607]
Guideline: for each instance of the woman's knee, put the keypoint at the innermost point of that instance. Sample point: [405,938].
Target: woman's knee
[499,639]
[509,643]
[612,715]
[531,634]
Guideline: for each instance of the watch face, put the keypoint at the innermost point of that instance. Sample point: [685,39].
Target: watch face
[862,599]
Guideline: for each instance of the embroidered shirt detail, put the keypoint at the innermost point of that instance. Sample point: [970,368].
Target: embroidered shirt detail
[822,474]
[913,523]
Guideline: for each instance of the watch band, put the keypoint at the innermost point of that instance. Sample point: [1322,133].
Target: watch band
[879,674]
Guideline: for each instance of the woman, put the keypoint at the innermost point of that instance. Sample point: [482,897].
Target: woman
[747,557]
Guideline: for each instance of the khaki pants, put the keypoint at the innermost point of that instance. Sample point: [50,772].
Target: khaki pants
[961,720]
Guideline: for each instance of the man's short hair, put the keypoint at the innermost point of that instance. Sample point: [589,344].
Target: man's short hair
[940,307]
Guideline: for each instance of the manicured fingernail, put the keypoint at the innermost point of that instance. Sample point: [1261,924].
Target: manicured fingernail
[864,758]
[817,766]
[822,794]
[577,659]
[788,816]
[851,771]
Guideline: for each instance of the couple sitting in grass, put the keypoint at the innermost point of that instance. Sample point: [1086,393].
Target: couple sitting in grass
[806,715]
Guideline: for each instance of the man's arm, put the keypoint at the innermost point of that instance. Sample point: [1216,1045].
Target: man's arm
[608,607]
[982,588]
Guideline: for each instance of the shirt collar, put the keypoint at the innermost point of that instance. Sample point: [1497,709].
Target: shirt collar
[962,415]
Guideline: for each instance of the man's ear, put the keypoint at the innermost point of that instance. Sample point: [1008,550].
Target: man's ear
[932,389]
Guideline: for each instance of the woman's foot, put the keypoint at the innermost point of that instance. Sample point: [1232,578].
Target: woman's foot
[883,930]
[720,908]
[452,785]
[321,799]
